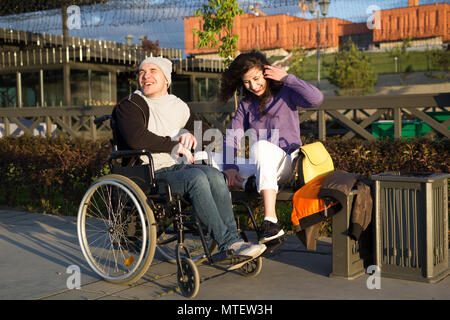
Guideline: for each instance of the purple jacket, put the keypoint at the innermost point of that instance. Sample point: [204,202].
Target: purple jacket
[282,115]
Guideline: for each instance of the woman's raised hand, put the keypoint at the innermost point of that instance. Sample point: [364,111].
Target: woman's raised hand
[274,72]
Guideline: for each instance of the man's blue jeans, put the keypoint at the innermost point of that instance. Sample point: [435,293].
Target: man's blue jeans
[205,188]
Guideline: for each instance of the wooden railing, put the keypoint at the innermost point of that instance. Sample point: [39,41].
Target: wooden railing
[356,113]
[352,116]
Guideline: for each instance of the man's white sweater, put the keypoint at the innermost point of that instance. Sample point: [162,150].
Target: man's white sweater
[167,116]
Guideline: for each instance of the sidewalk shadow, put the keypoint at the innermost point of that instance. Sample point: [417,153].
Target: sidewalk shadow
[293,253]
[44,238]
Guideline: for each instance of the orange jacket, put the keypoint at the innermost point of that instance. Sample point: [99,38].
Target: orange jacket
[308,209]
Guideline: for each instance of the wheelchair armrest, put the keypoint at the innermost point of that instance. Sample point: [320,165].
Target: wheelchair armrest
[130,153]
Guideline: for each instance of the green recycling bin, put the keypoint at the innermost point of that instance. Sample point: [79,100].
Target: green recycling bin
[439,116]
[385,128]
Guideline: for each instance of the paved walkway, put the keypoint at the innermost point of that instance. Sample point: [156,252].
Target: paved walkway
[37,250]
[399,83]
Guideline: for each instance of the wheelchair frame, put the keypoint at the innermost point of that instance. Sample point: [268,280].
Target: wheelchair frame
[124,212]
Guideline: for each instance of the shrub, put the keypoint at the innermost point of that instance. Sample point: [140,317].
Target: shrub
[49,175]
[52,175]
[410,155]
[440,59]
[352,72]
[297,65]
[372,157]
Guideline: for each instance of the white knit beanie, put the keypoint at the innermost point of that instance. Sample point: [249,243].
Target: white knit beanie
[164,64]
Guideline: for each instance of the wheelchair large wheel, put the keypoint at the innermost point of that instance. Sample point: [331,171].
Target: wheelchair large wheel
[116,229]
[167,242]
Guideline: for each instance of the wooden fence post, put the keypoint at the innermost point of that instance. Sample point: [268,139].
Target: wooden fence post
[93,128]
[397,123]
[321,125]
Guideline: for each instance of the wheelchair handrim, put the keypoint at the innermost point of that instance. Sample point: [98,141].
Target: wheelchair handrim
[82,232]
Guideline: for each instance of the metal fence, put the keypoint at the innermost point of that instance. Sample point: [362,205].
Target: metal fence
[50,49]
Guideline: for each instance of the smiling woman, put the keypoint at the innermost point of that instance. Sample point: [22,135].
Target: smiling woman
[269,109]
[254,81]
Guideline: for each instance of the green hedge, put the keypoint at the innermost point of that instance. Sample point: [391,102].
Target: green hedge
[368,158]
[409,155]
[52,175]
[49,175]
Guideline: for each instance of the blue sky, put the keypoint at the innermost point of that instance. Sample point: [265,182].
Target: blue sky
[163,20]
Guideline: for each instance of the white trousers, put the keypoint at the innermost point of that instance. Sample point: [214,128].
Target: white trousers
[268,162]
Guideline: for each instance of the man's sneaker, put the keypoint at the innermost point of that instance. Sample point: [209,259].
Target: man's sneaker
[270,231]
[242,248]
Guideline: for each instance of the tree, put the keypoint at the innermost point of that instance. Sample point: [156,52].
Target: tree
[440,59]
[351,71]
[150,46]
[400,52]
[218,17]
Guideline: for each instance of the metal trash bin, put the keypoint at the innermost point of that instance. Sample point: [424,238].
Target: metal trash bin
[411,225]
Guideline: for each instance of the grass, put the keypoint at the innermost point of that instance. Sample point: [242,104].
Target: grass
[382,62]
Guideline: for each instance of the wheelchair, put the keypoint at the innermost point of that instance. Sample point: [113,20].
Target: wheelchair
[124,219]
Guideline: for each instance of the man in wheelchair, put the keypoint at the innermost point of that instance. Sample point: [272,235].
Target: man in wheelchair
[152,119]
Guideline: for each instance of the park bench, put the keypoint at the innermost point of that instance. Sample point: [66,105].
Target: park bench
[347,260]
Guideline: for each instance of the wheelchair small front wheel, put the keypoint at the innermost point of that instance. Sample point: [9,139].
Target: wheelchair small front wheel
[167,242]
[252,268]
[116,229]
[188,278]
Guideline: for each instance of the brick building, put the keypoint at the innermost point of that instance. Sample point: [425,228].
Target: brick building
[286,32]
[415,22]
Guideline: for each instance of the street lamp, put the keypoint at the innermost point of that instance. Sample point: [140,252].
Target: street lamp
[323,7]
[129,40]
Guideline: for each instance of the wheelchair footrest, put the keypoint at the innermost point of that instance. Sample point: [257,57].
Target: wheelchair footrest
[273,245]
[227,258]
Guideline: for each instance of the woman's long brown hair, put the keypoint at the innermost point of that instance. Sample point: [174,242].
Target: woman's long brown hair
[231,79]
